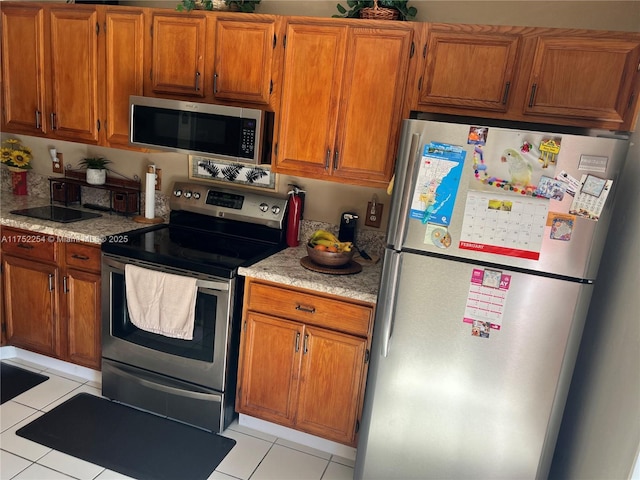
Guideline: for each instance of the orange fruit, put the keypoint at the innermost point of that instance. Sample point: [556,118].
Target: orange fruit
[332,249]
[322,248]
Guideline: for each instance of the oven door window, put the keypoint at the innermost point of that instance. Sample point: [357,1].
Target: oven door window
[199,348]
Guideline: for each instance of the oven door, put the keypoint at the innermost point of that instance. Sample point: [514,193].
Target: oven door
[202,361]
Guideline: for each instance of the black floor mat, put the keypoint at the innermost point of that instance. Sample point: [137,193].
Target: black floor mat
[15,380]
[129,441]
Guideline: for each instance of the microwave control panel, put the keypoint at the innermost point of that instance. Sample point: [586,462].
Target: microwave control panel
[248,138]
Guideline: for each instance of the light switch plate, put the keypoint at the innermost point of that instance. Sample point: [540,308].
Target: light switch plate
[58,166]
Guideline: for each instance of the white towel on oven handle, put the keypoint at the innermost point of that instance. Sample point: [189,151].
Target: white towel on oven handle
[160,302]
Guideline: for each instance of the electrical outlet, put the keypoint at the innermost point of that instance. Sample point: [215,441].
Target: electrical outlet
[373,217]
[58,166]
[158,178]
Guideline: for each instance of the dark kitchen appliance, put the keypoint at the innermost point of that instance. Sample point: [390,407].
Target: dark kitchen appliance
[56,214]
[211,232]
[347,232]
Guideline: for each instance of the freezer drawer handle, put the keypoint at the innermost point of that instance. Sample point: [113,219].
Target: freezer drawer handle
[305,309]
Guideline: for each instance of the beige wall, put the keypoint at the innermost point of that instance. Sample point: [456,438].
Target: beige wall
[601,15]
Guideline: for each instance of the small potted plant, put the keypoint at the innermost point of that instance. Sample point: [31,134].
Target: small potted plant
[377,9]
[96,169]
[237,5]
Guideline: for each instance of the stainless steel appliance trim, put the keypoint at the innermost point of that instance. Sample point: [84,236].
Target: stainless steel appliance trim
[208,374]
[405,175]
[204,108]
[388,291]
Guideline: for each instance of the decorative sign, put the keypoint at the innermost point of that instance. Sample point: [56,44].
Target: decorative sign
[258,176]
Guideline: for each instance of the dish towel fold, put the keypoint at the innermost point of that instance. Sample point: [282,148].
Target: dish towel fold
[160,302]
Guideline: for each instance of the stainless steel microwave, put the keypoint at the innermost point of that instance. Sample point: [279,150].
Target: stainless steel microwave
[218,131]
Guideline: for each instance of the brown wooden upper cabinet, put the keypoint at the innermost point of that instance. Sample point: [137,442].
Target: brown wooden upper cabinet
[177,54]
[50,71]
[244,52]
[468,66]
[587,77]
[579,78]
[342,99]
[68,71]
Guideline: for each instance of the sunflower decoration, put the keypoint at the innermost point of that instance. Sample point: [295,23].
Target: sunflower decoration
[14,154]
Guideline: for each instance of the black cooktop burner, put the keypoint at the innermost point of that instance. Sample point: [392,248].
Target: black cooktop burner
[191,249]
[56,214]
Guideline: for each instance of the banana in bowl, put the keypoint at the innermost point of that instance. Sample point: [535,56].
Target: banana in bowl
[326,250]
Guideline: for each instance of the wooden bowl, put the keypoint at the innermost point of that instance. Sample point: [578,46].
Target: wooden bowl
[329,259]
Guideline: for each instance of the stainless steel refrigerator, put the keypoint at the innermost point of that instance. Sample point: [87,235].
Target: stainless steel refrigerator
[493,247]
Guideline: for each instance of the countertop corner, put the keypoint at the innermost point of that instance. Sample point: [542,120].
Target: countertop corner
[284,267]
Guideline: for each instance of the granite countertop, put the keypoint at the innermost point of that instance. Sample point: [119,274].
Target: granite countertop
[90,231]
[284,267]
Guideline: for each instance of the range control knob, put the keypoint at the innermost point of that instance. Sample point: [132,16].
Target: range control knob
[187,194]
[275,209]
[177,193]
[264,207]
[196,195]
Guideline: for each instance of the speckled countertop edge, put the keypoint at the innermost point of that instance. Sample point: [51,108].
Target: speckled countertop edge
[284,268]
[90,231]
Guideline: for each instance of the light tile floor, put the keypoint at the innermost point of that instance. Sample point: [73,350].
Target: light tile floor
[256,455]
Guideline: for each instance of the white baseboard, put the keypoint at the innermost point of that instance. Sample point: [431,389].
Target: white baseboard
[298,437]
[88,374]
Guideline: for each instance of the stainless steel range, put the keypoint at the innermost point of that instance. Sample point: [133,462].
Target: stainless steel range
[212,231]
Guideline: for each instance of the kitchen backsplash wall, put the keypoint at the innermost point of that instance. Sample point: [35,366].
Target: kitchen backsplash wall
[324,201]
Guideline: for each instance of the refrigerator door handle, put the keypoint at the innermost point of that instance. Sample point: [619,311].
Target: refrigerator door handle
[398,217]
[389,292]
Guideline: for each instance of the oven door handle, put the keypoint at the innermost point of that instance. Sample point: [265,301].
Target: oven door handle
[166,388]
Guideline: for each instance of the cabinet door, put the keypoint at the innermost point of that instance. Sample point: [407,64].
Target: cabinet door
[270,366]
[370,113]
[586,77]
[23,79]
[331,384]
[244,52]
[82,314]
[178,51]
[31,306]
[468,69]
[313,66]
[124,56]
[74,74]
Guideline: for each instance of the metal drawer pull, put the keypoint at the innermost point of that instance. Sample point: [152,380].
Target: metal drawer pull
[38,119]
[305,349]
[51,282]
[297,342]
[79,257]
[197,81]
[53,121]
[65,286]
[26,246]
[306,309]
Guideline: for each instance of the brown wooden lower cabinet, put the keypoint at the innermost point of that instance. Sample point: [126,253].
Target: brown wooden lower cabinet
[51,295]
[303,360]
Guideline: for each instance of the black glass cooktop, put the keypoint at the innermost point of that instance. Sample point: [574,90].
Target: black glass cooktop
[56,214]
[213,253]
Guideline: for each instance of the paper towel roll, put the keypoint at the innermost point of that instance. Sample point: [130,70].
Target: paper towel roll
[150,193]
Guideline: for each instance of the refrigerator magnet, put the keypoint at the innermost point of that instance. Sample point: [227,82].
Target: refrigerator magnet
[561,226]
[480,329]
[550,188]
[440,237]
[589,202]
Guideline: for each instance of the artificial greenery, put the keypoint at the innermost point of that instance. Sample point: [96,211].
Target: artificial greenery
[354,7]
[240,5]
[96,163]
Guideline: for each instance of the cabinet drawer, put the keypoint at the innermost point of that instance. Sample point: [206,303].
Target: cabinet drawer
[32,245]
[83,256]
[311,309]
